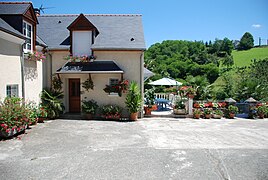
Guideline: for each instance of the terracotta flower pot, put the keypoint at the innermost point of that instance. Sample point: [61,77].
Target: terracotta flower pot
[148,110]
[191,96]
[196,116]
[207,116]
[41,120]
[261,116]
[88,116]
[134,116]
[231,115]
[216,116]
[154,108]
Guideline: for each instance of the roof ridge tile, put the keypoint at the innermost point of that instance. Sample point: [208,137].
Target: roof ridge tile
[23,2]
[72,15]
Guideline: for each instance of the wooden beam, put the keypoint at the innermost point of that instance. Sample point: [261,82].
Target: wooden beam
[59,76]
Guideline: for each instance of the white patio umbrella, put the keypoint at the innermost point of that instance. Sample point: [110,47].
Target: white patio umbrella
[147,74]
[165,82]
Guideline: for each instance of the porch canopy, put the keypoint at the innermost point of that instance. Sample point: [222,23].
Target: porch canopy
[165,82]
[95,67]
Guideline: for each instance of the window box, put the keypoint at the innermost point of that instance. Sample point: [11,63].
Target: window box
[35,56]
[116,87]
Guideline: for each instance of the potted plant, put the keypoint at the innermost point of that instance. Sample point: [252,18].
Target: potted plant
[262,110]
[179,107]
[111,111]
[89,108]
[52,102]
[197,113]
[207,113]
[35,56]
[133,100]
[149,101]
[56,84]
[88,84]
[217,114]
[232,110]
[41,114]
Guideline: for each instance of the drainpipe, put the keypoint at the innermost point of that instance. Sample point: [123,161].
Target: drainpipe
[22,72]
[50,76]
[141,80]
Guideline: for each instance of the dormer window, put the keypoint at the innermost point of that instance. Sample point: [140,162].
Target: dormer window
[82,33]
[28,33]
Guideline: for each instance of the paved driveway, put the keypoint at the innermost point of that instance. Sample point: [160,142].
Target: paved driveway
[147,149]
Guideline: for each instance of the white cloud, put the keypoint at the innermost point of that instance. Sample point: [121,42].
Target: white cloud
[256,25]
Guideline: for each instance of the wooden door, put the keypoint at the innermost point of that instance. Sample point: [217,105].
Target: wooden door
[74,95]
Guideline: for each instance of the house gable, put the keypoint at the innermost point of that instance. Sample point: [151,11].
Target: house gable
[82,35]
[16,13]
[81,23]
[29,14]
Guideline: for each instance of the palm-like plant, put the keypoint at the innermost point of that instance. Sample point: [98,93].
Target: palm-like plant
[51,101]
[133,98]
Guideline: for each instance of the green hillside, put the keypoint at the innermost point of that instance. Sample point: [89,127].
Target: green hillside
[243,58]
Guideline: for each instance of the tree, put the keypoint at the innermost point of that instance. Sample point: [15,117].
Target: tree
[227,46]
[227,61]
[246,42]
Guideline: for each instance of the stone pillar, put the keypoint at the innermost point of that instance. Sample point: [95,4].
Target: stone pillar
[190,106]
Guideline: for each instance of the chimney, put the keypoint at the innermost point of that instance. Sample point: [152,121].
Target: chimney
[37,12]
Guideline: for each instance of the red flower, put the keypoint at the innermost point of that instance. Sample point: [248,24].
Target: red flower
[196,105]
[3,125]
[7,130]
[210,104]
[258,105]
[222,104]
[183,88]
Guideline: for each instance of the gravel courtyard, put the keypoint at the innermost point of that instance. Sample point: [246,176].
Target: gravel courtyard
[151,148]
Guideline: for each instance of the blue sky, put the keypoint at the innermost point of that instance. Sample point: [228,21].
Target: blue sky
[179,19]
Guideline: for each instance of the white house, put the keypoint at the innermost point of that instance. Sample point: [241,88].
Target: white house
[115,41]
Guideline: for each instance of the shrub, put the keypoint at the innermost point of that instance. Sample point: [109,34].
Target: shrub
[51,101]
[149,97]
[14,115]
[218,112]
[197,111]
[262,110]
[111,111]
[89,107]
[207,111]
[232,109]
[179,104]
[133,98]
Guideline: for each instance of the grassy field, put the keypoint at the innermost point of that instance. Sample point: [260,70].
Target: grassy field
[243,58]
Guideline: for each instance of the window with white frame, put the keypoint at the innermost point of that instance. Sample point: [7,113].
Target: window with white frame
[113,81]
[28,33]
[12,90]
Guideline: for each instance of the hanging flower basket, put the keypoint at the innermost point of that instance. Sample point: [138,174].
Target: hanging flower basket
[88,84]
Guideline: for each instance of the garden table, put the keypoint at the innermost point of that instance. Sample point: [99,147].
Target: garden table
[161,102]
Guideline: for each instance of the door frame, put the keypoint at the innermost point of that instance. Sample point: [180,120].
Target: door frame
[69,94]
